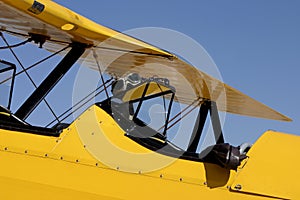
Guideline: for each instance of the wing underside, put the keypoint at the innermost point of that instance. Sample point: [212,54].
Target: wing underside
[119,54]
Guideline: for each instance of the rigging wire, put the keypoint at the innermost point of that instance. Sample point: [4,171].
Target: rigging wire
[27,74]
[101,75]
[183,111]
[15,45]
[186,114]
[87,101]
[35,64]
[83,99]
[26,35]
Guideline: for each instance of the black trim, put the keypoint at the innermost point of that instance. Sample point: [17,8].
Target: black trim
[10,122]
[29,129]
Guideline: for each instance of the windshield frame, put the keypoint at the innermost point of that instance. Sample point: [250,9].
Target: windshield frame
[7,67]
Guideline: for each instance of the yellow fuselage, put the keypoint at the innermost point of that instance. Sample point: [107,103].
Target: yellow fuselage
[93,159]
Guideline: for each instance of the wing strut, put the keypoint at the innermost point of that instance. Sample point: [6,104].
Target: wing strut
[206,107]
[198,128]
[215,120]
[50,81]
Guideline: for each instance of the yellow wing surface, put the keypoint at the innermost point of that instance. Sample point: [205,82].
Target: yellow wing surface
[119,54]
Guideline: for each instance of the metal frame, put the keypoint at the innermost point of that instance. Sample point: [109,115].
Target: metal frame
[141,101]
[50,81]
[211,107]
[168,114]
[216,123]
[199,126]
[144,98]
[11,67]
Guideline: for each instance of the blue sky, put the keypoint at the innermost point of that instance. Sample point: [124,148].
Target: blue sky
[255,44]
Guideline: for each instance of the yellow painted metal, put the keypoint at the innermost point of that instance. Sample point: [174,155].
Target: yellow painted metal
[273,167]
[83,163]
[120,54]
[55,16]
[4,113]
[136,93]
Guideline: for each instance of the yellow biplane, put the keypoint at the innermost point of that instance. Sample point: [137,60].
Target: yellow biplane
[111,151]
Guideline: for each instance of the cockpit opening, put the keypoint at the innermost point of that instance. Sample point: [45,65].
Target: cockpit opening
[146,109]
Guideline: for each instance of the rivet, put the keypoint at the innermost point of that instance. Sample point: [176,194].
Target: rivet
[84,146]
[205,183]
[180,179]
[5,148]
[140,172]
[100,122]
[77,160]
[26,151]
[161,176]
[96,164]
[93,133]
[118,168]
[61,158]
[57,141]
[46,155]
[238,187]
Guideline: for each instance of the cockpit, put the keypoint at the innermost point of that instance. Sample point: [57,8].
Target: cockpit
[132,102]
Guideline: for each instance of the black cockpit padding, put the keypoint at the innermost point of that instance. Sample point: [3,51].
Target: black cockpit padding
[224,155]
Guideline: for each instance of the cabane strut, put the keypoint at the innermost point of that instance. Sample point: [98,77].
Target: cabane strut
[50,81]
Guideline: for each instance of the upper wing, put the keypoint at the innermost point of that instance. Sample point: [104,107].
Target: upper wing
[120,54]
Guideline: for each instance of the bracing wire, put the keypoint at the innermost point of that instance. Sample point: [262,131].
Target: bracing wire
[87,101]
[80,101]
[181,118]
[15,45]
[181,112]
[100,71]
[35,64]
[27,74]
